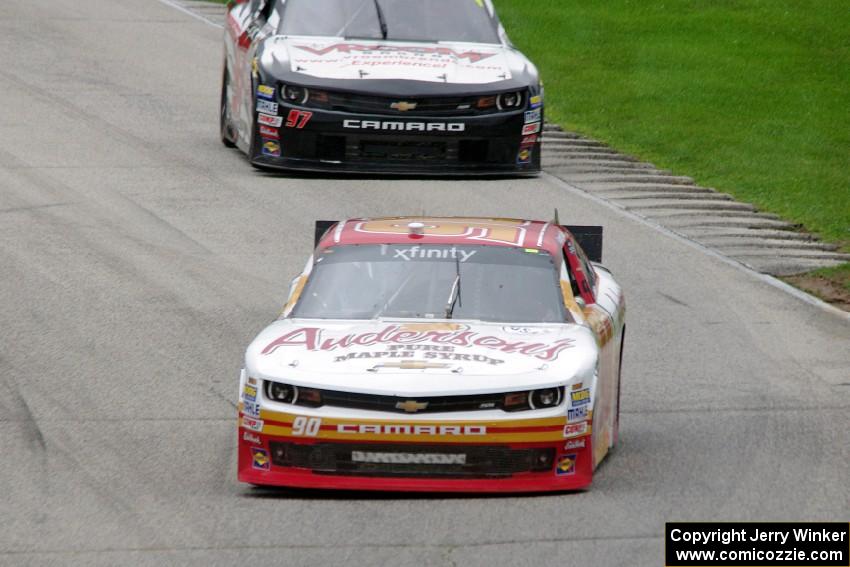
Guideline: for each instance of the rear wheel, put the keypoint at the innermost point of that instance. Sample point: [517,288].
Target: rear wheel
[619,374]
[228,137]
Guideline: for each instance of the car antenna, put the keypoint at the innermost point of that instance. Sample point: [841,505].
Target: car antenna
[556,221]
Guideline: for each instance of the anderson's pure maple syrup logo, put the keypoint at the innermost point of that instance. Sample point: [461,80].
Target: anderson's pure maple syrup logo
[311,338]
[472,56]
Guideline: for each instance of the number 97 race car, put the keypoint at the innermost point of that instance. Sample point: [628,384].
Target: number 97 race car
[438,354]
[392,86]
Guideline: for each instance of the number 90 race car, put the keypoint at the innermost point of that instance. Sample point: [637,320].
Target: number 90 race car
[438,354]
[392,86]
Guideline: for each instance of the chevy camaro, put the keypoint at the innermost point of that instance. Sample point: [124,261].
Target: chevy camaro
[438,354]
[392,86]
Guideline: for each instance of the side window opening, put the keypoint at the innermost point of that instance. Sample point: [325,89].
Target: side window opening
[587,267]
[573,283]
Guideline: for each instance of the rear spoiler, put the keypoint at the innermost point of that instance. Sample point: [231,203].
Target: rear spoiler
[322,226]
[588,237]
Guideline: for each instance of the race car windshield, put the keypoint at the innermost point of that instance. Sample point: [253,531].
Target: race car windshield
[404,20]
[485,283]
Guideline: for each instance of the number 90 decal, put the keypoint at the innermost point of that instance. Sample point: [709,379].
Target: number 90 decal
[493,230]
[306,426]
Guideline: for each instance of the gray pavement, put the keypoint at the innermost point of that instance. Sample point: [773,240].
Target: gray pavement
[138,257]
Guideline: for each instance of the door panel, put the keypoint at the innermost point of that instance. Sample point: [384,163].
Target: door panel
[605,316]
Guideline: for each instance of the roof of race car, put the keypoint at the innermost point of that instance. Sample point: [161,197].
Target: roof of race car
[447,230]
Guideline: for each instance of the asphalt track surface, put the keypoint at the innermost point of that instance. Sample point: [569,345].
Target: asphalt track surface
[138,257]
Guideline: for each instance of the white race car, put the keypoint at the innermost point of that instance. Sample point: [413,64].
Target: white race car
[438,354]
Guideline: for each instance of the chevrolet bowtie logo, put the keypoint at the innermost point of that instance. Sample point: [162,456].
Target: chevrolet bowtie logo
[411,406]
[403,106]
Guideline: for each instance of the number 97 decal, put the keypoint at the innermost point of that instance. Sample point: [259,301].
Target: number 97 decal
[306,426]
[298,118]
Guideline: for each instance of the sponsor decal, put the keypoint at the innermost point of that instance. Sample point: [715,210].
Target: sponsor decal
[472,56]
[529,140]
[274,121]
[531,128]
[437,353]
[536,101]
[266,106]
[310,338]
[421,253]
[403,106]
[524,156]
[298,118]
[577,414]
[397,125]
[265,91]
[409,429]
[577,386]
[575,429]
[566,465]
[251,408]
[260,459]
[409,458]
[580,397]
[252,424]
[270,133]
[252,380]
[524,330]
[250,393]
[271,148]
[251,438]
[532,116]
[575,444]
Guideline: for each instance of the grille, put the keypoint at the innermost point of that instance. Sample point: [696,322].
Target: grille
[445,461]
[434,106]
[519,401]
[434,403]
[389,150]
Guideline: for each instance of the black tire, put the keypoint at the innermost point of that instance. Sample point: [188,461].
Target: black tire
[616,435]
[226,130]
[254,145]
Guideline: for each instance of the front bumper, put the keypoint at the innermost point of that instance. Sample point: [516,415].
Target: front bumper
[310,139]
[518,455]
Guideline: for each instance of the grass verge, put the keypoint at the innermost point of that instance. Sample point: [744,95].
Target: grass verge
[751,97]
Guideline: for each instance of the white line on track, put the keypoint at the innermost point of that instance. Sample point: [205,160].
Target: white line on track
[185,10]
[770,280]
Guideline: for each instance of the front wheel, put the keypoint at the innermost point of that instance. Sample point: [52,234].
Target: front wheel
[227,134]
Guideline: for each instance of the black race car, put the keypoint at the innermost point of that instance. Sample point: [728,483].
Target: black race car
[391,86]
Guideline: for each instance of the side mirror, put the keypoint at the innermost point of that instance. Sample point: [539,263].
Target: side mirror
[292,285]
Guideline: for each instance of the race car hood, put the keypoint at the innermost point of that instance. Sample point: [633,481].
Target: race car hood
[442,62]
[393,68]
[416,359]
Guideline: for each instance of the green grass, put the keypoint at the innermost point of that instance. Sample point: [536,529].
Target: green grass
[751,97]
